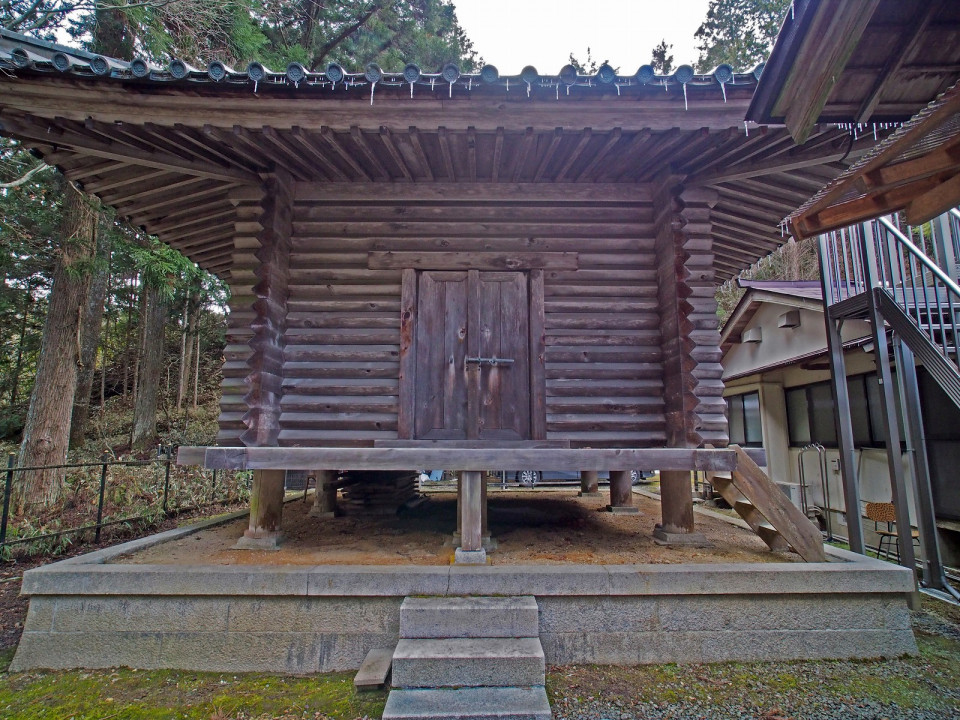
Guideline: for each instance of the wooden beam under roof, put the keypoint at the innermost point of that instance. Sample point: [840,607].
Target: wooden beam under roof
[834,34]
[26,129]
[910,40]
[883,183]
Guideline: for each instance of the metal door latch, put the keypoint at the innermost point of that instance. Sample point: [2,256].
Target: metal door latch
[491,361]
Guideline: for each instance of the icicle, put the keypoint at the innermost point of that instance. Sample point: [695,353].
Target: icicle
[528,89]
[558,92]
[508,84]
[723,87]
[433,82]
[618,90]
[470,84]
[373,86]
[411,91]
[685,97]
[793,9]
[254,87]
[451,89]
[874,132]
[746,128]
[568,90]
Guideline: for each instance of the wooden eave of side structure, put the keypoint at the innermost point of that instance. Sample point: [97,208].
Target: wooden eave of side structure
[917,170]
[870,61]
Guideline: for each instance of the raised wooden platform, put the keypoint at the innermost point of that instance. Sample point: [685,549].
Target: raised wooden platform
[508,457]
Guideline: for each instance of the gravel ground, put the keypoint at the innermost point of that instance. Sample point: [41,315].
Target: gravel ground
[909,688]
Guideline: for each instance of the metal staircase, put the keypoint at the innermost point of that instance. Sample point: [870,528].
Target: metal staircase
[903,280]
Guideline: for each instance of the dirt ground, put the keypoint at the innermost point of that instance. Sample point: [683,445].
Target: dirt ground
[532,526]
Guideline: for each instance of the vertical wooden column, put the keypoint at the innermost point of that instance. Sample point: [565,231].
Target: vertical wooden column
[325,497]
[621,493]
[589,484]
[676,502]
[694,409]
[266,511]
[471,550]
[265,359]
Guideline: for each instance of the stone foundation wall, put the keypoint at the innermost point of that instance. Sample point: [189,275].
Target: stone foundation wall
[90,612]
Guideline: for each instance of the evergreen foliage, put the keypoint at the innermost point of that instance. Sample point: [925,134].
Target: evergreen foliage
[740,33]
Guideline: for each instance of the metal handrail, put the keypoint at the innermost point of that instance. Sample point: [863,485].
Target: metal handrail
[922,256]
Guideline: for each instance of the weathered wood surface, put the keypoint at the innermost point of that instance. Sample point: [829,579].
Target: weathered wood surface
[265,361]
[391,260]
[695,411]
[764,495]
[474,444]
[350,345]
[305,458]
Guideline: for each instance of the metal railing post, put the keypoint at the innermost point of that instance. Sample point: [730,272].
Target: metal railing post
[7,491]
[841,405]
[103,486]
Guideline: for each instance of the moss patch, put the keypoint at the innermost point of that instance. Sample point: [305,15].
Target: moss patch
[195,696]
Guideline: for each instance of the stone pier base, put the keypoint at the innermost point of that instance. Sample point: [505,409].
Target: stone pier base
[92,612]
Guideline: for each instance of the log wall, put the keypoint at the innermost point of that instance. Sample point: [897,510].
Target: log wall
[602,332]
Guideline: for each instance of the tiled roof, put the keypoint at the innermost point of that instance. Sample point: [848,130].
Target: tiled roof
[20,52]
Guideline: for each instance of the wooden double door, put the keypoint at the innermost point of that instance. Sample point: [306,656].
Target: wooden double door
[472,367]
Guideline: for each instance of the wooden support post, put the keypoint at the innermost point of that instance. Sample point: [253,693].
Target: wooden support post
[690,346]
[589,484]
[266,510]
[471,550]
[621,493]
[676,507]
[325,497]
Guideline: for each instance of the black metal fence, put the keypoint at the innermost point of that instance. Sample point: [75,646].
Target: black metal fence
[163,489]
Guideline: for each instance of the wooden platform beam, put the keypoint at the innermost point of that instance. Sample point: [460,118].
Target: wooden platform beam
[358,458]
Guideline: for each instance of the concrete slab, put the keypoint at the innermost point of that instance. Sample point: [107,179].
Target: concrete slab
[374,670]
[511,703]
[468,662]
[439,617]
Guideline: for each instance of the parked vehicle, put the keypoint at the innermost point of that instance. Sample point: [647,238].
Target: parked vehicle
[532,478]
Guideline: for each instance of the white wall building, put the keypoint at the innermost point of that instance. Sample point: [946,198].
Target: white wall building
[777,375]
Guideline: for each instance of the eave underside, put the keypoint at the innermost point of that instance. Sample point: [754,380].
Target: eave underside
[177,172]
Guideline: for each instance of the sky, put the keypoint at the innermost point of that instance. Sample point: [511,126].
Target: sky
[511,34]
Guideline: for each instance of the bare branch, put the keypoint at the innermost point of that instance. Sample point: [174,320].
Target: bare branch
[343,35]
[25,178]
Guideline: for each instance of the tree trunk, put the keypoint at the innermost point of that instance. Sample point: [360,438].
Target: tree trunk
[151,362]
[18,366]
[90,332]
[47,433]
[196,371]
[184,354]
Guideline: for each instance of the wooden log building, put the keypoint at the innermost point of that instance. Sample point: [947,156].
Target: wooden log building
[442,270]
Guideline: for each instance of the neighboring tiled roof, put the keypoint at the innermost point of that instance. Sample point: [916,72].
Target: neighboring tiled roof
[791,288]
[920,139]
[23,52]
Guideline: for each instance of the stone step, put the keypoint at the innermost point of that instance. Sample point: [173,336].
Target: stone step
[468,662]
[483,703]
[374,670]
[473,617]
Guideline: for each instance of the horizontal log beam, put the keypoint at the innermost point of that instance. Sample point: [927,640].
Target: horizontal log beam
[490,457]
[471,260]
[516,193]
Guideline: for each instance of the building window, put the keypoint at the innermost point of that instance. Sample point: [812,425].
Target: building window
[810,416]
[744,414]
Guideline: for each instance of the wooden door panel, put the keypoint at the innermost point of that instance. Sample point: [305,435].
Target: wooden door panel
[502,324]
[441,388]
[475,314]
